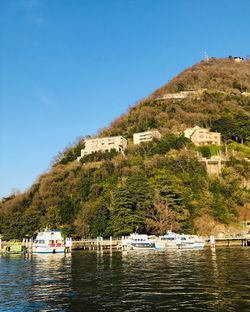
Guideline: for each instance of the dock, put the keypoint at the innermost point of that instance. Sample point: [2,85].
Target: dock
[96,244]
[232,241]
[101,244]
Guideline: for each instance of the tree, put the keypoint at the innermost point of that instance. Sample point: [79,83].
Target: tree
[126,213]
[233,127]
[99,218]
[180,87]
[239,86]
[83,221]
[162,217]
[205,151]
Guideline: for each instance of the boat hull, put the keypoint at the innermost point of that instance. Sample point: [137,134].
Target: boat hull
[47,250]
[142,248]
[199,245]
[191,245]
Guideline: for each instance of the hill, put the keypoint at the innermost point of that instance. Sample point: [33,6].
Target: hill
[219,89]
[155,185]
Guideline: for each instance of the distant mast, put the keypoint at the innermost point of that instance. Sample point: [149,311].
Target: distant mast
[206,58]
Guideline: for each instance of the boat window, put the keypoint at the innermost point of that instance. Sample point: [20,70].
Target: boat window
[168,238]
[142,244]
[39,241]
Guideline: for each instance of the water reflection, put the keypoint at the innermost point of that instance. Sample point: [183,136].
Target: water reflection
[50,279]
[176,280]
[167,281]
[35,283]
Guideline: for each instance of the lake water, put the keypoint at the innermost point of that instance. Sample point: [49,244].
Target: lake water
[178,280]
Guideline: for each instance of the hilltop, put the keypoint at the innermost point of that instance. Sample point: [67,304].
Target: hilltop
[220,87]
[155,185]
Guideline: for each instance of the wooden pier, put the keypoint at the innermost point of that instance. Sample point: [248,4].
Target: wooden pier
[96,244]
[232,241]
[101,244]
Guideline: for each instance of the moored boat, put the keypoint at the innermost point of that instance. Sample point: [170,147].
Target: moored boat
[48,241]
[137,242]
[172,240]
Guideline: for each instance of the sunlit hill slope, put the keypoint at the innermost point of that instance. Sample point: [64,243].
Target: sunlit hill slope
[157,185]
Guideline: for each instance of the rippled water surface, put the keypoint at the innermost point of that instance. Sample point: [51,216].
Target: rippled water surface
[181,280]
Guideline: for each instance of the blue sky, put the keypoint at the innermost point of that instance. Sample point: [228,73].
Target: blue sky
[68,68]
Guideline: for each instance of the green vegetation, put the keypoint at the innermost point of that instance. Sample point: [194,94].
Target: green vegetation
[98,156]
[70,153]
[210,150]
[239,86]
[233,127]
[242,150]
[156,185]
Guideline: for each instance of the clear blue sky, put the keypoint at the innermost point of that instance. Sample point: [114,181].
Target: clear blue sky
[69,67]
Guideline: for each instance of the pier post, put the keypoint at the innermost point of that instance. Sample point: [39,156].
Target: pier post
[23,244]
[0,245]
[68,245]
[110,242]
[30,245]
[101,238]
[212,241]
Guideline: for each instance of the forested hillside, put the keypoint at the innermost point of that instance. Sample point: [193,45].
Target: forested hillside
[157,185]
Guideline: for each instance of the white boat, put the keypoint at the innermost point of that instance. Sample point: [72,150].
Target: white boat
[179,241]
[48,241]
[137,242]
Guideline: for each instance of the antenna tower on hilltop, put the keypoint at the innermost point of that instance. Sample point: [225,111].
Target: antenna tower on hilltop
[206,58]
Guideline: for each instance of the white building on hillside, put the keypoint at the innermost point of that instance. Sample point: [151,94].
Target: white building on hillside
[179,95]
[146,136]
[103,145]
[238,59]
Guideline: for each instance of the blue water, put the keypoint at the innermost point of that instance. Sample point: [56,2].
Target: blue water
[178,280]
